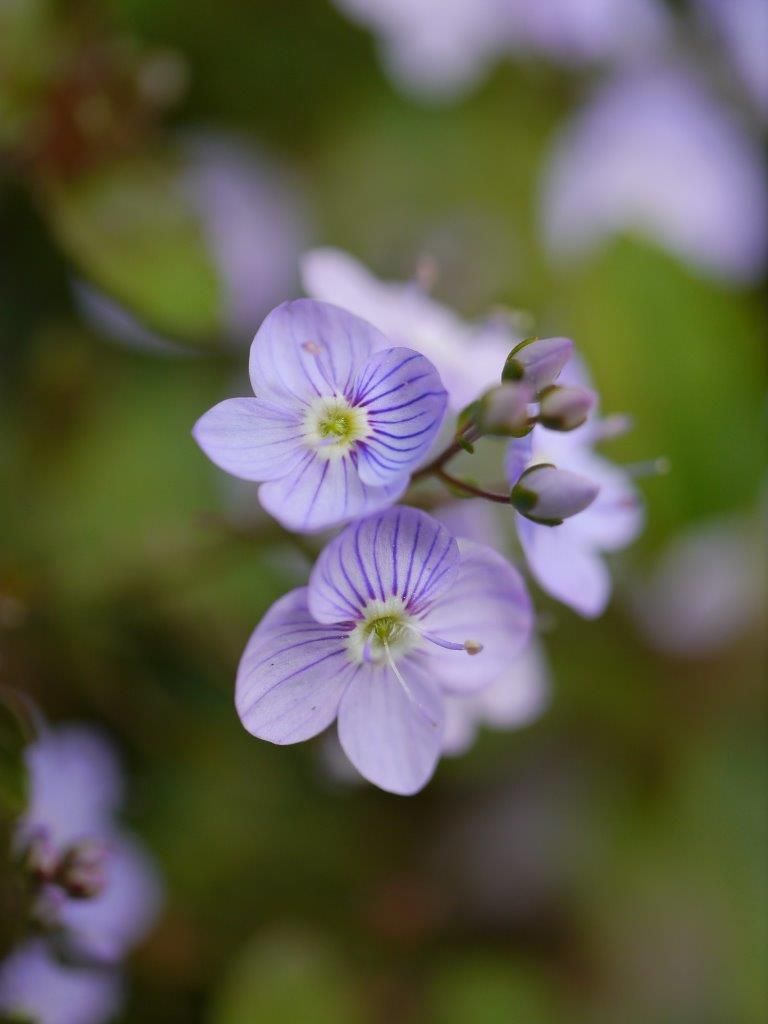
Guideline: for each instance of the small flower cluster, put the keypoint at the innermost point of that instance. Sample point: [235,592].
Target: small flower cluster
[407,619]
[93,892]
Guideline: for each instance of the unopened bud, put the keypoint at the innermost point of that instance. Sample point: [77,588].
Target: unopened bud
[548,495]
[565,408]
[537,361]
[503,411]
[38,856]
[81,872]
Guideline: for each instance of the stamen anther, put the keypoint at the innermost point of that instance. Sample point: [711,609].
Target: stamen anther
[472,647]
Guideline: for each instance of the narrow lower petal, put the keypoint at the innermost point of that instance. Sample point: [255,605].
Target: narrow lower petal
[320,493]
[565,566]
[405,402]
[401,553]
[391,736]
[487,603]
[518,457]
[292,673]
[251,438]
[306,348]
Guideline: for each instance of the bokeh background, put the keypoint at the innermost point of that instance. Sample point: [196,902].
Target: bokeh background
[164,165]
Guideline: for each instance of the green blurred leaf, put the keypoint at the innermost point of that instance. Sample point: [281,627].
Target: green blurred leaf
[286,979]
[489,989]
[132,231]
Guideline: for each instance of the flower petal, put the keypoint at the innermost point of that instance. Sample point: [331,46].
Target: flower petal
[106,926]
[321,493]
[306,348]
[487,603]
[251,438]
[615,517]
[34,983]
[565,566]
[405,401]
[393,738]
[402,552]
[292,673]
[518,456]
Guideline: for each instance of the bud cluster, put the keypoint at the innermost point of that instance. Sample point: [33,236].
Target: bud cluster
[76,872]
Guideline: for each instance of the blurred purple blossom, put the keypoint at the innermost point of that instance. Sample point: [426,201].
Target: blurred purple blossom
[705,590]
[517,698]
[75,793]
[468,357]
[655,153]
[742,27]
[341,418]
[439,48]
[397,614]
[36,986]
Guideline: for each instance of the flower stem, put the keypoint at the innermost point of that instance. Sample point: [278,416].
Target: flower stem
[462,485]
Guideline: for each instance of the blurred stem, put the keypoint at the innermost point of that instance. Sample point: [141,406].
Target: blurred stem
[468,433]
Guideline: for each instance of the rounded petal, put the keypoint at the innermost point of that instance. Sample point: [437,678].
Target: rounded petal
[565,567]
[292,673]
[75,783]
[405,401]
[33,983]
[616,516]
[107,926]
[251,438]
[517,457]
[487,603]
[306,348]
[402,552]
[391,736]
[320,493]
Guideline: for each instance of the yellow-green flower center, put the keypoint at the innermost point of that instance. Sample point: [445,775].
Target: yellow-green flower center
[332,426]
[385,632]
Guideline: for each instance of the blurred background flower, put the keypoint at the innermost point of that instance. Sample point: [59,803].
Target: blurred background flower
[592,170]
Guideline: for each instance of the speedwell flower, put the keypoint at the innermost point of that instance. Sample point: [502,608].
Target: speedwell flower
[98,884]
[339,421]
[566,559]
[397,615]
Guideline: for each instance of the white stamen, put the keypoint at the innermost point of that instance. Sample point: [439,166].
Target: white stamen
[406,688]
[650,467]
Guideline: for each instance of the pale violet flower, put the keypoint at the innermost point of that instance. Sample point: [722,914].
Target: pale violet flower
[742,27]
[397,614]
[437,49]
[339,422]
[516,699]
[656,154]
[468,358]
[522,692]
[567,560]
[75,791]
[35,986]
[705,590]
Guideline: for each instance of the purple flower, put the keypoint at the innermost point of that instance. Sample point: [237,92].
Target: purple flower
[705,590]
[742,27]
[35,985]
[397,614]
[339,423]
[75,791]
[436,49]
[654,153]
[469,359]
[517,698]
[566,560]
